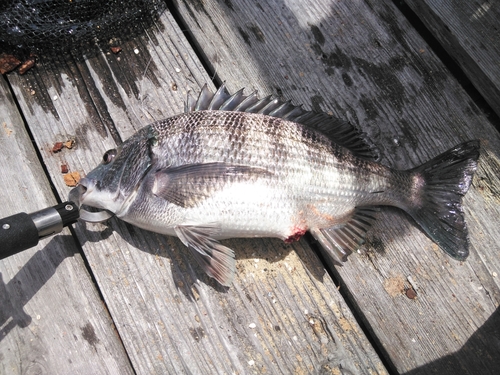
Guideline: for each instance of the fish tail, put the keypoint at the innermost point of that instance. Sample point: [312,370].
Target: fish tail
[437,191]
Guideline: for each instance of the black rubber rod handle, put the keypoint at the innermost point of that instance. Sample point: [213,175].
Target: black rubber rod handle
[22,231]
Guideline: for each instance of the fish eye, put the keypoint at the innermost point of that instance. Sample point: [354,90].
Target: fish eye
[109,156]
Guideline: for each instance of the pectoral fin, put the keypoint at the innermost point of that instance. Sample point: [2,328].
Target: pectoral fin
[186,185]
[216,260]
[340,241]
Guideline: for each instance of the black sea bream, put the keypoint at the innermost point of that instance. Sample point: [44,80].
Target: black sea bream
[239,166]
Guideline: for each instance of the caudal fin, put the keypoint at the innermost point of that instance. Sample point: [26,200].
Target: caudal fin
[441,183]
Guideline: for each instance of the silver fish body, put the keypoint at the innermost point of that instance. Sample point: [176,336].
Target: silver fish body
[221,171]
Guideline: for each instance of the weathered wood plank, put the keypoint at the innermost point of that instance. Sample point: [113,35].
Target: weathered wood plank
[282,314]
[52,320]
[470,33]
[363,61]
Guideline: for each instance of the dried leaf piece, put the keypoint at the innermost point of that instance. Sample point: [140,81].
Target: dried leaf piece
[72,179]
[69,143]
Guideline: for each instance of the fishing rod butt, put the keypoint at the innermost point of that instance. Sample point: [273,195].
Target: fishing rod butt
[23,231]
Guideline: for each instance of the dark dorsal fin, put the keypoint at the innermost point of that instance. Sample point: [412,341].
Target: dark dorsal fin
[339,131]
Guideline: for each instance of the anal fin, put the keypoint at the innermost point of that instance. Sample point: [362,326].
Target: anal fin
[340,241]
[215,259]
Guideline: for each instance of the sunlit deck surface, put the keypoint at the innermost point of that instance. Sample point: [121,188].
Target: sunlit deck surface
[418,77]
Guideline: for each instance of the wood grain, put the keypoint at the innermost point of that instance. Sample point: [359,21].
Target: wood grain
[470,33]
[283,314]
[363,61]
[52,319]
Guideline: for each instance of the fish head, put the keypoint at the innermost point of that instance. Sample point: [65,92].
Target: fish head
[112,185]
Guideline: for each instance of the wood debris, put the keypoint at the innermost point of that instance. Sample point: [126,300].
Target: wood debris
[8,63]
[58,146]
[72,179]
[27,65]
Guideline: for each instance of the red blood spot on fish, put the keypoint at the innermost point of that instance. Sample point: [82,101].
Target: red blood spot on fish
[296,234]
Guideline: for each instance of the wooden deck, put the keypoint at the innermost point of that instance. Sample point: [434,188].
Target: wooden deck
[114,299]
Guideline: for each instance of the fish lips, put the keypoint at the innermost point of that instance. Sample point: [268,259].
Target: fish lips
[76,195]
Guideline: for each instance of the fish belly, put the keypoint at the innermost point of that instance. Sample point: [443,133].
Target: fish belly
[261,209]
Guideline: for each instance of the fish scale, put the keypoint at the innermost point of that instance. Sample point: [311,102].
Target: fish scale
[239,166]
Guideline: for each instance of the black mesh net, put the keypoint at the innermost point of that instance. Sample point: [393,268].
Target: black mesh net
[43,25]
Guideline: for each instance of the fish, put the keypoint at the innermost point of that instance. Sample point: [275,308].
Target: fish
[235,165]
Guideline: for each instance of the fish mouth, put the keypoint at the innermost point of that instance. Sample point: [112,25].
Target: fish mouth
[76,195]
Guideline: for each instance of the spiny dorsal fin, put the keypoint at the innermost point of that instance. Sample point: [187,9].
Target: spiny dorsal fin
[339,131]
